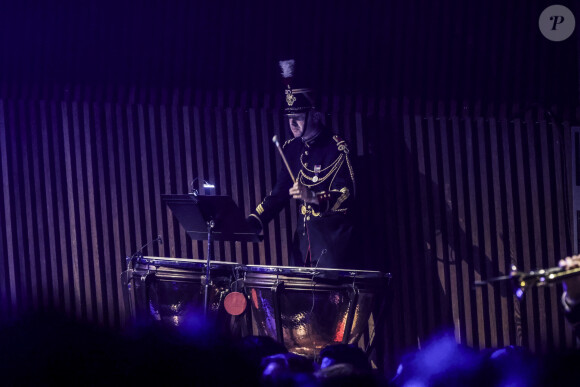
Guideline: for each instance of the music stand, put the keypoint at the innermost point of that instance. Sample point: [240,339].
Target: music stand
[210,218]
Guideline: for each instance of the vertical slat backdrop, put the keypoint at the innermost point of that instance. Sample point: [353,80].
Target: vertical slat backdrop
[446,200]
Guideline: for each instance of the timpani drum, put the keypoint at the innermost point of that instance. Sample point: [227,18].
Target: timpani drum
[308,309]
[171,290]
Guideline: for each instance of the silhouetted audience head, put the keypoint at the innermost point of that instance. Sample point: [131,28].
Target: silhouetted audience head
[343,374]
[345,365]
[344,354]
[287,369]
[49,349]
[508,366]
[256,348]
[443,362]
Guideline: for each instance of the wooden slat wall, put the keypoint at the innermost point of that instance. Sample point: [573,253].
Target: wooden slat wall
[447,200]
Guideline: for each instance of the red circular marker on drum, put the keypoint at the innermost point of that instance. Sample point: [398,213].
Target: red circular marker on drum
[235,303]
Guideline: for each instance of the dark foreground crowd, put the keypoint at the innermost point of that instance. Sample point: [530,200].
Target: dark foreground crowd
[51,350]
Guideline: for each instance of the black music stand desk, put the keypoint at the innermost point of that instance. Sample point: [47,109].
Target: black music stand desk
[195,212]
[210,218]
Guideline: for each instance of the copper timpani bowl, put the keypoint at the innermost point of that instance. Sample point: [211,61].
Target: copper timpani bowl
[308,309]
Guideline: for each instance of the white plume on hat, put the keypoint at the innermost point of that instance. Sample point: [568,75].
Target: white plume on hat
[287,67]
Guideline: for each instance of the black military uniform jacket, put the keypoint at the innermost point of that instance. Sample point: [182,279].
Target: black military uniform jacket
[572,314]
[324,231]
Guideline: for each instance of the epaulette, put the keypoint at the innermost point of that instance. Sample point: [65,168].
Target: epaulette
[340,143]
[289,141]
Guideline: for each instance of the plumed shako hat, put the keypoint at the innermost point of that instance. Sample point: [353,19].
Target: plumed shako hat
[296,100]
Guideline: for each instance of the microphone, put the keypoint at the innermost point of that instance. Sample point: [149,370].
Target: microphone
[126,275]
[139,252]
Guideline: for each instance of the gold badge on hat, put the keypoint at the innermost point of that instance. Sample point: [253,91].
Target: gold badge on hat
[290,99]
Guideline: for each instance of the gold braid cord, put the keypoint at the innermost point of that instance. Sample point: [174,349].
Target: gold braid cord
[306,178]
[288,142]
[345,194]
[308,181]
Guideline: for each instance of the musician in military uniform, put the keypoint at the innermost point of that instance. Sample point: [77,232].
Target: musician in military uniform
[325,184]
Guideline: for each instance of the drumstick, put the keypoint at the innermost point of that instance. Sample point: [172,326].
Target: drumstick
[277,143]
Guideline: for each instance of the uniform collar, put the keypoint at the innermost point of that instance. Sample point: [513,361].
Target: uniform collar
[319,138]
